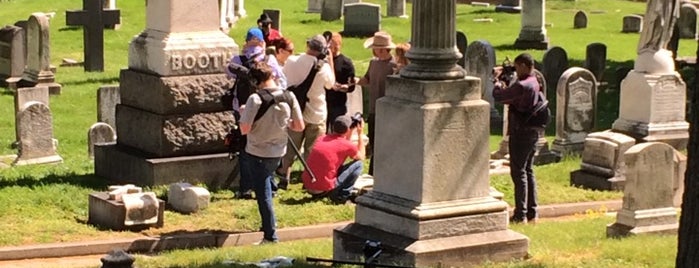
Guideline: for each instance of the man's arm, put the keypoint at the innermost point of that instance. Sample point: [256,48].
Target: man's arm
[296,124]
[361,149]
[247,118]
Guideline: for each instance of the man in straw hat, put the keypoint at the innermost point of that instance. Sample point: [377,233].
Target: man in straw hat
[381,66]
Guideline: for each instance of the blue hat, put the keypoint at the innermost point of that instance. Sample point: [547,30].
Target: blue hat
[255,33]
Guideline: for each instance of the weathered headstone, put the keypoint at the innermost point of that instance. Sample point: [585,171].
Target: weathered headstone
[632,24]
[108,97]
[35,127]
[331,10]
[509,6]
[461,45]
[125,208]
[532,35]
[603,166]
[38,70]
[480,61]
[575,112]
[276,16]
[362,19]
[92,19]
[314,6]
[395,8]
[596,59]
[186,198]
[424,183]
[12,56]
[580,20]
[554,63]
[648,193]
[687,23]
[25,95]
[170,109]
[99,133]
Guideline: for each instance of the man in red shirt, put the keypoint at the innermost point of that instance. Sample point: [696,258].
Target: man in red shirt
[265,24]
[329,175]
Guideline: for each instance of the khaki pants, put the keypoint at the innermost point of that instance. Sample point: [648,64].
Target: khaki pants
[307,137]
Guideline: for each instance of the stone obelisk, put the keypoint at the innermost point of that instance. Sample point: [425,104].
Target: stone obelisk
[431,204]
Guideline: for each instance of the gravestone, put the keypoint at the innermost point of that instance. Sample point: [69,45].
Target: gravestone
[12,56]
[554,63]
[227,17]
[125,208]
[620,73]
[543,155]
[35,127]
[648,194]
[395,8]
[99,133]
[108,98]
[509,6]
[355,101]
[632,24]
[580,20]
[38,50]
[186,198]
[362,19]
[25,95]
[480,61]
[461,45]
[111,5]
[532,34]
[314,6]
[687,23]
[331,10]
[276,16]
[170,110]
[576,110]
[603,166]
[596,59]
[92,19]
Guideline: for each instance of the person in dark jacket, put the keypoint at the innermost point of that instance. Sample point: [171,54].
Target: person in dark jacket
[336,97]
[521,98]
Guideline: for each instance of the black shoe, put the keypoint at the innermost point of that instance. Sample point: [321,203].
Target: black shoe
[244,195]
[283,184]
[515,220]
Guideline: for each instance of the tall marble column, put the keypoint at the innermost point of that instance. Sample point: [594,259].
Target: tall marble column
[431,203]
[533,34]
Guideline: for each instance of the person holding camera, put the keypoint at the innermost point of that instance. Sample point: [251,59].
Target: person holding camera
[521,96]
[327,175]
[308,75]
[265,125]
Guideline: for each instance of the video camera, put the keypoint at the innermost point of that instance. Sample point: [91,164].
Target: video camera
[356,120]
[509,73]
[324,54]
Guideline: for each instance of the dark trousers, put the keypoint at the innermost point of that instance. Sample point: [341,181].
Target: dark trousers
[372,144]
[522,147]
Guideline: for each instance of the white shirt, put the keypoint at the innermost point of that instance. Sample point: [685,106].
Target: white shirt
[296,69]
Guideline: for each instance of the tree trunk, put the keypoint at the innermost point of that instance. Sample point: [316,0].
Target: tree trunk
[688,235]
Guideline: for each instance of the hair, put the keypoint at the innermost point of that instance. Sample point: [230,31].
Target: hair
[401,49]
[261,71]
[281,43]
[337,38]
[525,59]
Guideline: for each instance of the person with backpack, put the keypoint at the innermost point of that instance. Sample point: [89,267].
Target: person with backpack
[309,75]
[253,51]
[525,101]
[268,114]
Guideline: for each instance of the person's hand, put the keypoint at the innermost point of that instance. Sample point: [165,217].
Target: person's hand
[360,128]
[497,71]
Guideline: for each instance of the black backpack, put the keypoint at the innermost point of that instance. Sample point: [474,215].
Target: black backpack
[541,114]
[244,86]
[301,90]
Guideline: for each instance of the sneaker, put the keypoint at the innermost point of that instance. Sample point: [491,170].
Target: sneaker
[265,241]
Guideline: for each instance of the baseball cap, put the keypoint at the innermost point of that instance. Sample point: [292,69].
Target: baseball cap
[254,33]
[317,43]
[342,124]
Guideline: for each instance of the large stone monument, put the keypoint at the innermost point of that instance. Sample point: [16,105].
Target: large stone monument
[436,209]
[170,123]
[653,95]
[532,35]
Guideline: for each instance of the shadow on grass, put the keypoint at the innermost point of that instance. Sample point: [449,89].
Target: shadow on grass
[70,28]
[103,81]
[90,181]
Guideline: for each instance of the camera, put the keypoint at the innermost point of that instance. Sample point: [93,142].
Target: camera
[508,74]
[356,119]
[326,50]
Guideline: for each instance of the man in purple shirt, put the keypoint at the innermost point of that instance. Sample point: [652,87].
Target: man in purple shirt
[521,96]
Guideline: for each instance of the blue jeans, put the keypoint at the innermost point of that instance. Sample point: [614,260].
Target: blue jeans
[261,170]
[245,180]
[347,176]
[522,147]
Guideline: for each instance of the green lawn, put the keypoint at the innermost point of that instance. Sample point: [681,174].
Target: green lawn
[44,204]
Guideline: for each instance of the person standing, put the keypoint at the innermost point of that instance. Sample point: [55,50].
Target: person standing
[266,140]
[522,98]
[297,69]
[380,67]
[344,81]
[265,24]
[283,48]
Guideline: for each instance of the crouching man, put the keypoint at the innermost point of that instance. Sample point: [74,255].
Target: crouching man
[329,175]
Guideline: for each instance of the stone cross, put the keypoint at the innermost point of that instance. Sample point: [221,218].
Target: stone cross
[93,18]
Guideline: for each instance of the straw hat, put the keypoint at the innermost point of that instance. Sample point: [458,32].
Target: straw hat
[379,40]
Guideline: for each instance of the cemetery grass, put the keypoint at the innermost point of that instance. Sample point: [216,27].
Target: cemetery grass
[575,241]
[43,204]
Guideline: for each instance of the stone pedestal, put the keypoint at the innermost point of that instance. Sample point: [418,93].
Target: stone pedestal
[652,108]
[533,34]
[111,214]
[431,202]
[603,166]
